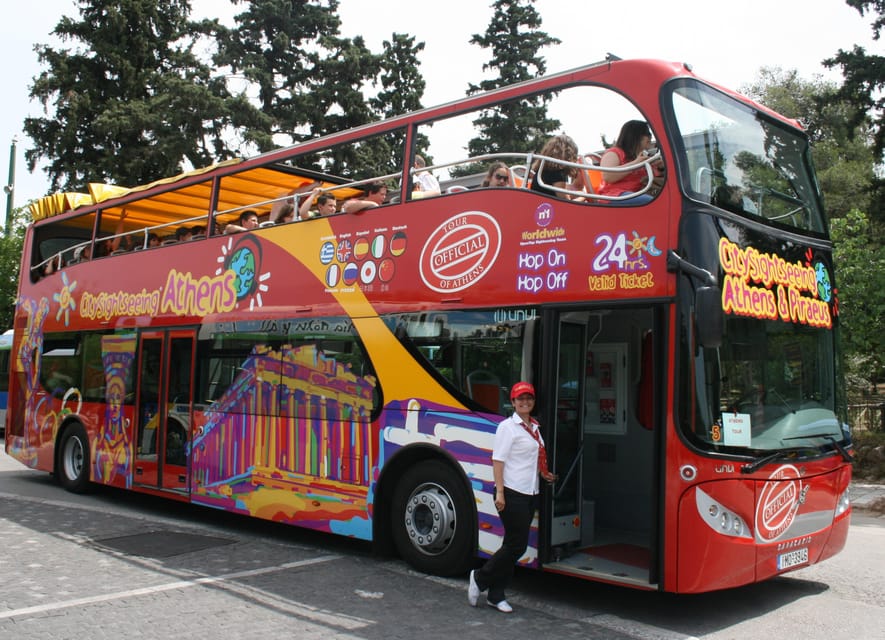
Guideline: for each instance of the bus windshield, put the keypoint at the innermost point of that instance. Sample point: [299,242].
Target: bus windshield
[775,379]
[734,157]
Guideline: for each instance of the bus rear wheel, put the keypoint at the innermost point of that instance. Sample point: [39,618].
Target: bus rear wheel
[432,524]
[73,459]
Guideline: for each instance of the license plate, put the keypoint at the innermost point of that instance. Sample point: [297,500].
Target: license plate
[792,559]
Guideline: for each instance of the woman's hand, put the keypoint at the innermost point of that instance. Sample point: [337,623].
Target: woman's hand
[499,500]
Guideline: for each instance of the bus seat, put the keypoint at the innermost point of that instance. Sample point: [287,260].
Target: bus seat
[485,387]
[594,177]
[518,174]
[456,188]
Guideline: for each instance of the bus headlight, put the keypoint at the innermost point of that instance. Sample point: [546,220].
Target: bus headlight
[720,519]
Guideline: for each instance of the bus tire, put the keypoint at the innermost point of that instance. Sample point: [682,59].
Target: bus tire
[431,520]
[73,459]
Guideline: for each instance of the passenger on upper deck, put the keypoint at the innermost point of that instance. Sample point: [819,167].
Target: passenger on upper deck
[325,204]
[153,240]
[560,147]
[248,221]
[498,175]
[423,180]
[376,194]
[283,214]
[631,148]
[183,234]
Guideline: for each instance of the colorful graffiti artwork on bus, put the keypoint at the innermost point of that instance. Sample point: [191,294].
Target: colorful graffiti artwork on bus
[36,413]
[113,451]
[290,436]
[469,439]
[765,286]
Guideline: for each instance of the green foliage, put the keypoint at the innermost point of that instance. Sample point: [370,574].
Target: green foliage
[514,37]
[860,262]
[312,82]
[129,80]
[844,158]
[10,264]
[864,74]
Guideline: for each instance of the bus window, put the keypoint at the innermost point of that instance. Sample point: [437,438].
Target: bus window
[60,366]
[70,240]
[479,353]
[592,116]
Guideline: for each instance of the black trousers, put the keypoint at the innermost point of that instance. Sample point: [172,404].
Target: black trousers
[516,517]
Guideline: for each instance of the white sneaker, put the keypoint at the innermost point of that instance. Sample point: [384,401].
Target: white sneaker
[503,606]
[472,591]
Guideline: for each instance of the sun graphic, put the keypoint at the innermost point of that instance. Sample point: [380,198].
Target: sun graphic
[65,299]
[638,244]
[244,259]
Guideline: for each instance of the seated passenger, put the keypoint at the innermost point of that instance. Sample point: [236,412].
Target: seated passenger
[153,240]
[560,147]
[198,232]
[325,204]
[183,234]
[498,175]
[376,194]
[631,148]
[248,221]
[283,214]
[423,180]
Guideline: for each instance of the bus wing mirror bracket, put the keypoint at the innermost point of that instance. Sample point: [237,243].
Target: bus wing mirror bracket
[708,316]
[708,301]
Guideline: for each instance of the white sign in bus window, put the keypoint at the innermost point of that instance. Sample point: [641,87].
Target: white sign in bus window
[736,429]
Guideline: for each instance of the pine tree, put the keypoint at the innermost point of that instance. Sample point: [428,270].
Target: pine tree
[129,101]
[402,87]
[274,47]
[514,36]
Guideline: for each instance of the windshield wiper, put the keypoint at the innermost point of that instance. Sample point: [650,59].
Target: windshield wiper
[758,463]
[828,436]
[783,400]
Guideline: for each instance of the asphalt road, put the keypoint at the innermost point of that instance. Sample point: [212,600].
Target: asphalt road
[119,565]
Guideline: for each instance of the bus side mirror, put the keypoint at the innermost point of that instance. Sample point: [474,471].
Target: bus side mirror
[708,316]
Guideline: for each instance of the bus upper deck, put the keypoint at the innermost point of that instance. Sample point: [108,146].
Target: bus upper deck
[112,219]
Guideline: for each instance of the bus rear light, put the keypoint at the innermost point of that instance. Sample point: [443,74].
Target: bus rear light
[843,502]
[719,518]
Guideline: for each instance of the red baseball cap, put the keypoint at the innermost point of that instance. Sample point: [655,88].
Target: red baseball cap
[520,388]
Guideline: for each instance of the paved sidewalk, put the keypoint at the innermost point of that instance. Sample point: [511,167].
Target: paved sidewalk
[868,497]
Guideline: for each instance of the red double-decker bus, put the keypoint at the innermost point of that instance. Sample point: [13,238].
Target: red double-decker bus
[346,371]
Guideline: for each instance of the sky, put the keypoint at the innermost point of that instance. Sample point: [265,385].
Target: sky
[726,42]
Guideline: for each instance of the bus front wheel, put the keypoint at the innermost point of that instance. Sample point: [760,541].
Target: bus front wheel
[73,459]
[432,524]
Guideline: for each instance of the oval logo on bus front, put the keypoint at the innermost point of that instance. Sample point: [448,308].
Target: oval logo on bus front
[778,503]
[460,251]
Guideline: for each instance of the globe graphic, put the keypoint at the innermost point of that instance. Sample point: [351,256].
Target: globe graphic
[242,263]
[824,288]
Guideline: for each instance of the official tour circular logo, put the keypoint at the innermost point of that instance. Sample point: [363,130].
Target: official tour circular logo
[460,251]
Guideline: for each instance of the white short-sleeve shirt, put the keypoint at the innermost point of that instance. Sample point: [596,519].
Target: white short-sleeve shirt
[518,450]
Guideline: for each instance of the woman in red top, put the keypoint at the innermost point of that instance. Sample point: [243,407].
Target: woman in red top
[631,149]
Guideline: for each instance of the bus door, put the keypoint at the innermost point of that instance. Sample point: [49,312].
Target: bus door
[164,409]
[567,434]
[599,414]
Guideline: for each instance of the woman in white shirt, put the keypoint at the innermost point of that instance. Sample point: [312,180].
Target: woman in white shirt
[518,459]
